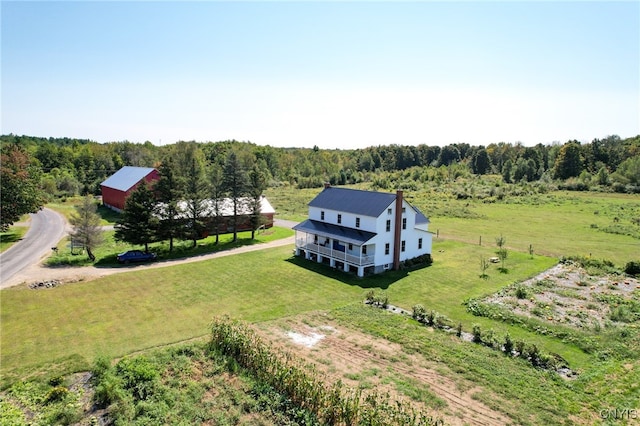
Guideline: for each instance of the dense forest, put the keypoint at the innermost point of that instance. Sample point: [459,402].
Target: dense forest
[78,166]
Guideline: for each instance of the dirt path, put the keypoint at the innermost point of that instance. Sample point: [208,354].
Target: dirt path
[39,272]
[354,357]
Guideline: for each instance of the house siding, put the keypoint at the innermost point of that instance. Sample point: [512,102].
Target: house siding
[314,247]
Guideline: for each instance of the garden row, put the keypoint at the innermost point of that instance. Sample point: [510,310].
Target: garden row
[305,387]
[518,348]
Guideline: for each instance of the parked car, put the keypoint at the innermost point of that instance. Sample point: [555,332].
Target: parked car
[136,256]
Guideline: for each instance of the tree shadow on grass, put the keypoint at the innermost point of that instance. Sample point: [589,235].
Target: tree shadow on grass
[382,281]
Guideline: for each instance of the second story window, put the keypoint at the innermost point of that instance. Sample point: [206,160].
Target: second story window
[404,223]
[388,225]
[403,246]
[386,248]
[357,222]
[322,215]
[364,249]
[339,218]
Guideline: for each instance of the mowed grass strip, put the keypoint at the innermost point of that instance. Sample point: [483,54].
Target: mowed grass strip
[127,312]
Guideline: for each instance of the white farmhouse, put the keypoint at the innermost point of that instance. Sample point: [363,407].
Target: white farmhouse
[363,231]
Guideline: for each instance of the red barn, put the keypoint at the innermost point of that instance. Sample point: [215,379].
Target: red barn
[117,187]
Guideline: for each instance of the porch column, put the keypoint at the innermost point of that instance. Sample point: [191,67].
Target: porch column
[346,267]
[332,262]
[361,271]
[319,258]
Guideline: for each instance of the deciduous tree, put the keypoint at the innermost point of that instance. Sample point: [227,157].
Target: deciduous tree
[86,226]
[20,191]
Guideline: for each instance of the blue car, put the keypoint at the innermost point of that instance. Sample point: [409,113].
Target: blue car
[135,256]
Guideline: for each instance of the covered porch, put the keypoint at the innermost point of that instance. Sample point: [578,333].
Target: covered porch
[340,246]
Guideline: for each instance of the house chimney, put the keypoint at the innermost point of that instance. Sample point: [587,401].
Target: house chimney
[327,185]
[398,231]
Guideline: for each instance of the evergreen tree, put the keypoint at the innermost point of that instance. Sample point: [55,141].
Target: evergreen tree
[257,185]
[195,195]
[216,191]
[169,190]
[138,223]
[86,226]
[235,185]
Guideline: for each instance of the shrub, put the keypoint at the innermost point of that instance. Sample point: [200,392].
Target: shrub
[508,344]
[419,312]
[522,292]
[477,334]
[632,268]
[56,394]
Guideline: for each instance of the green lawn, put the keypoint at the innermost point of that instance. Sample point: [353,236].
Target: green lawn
[106,253]
[13,235]
[132,311]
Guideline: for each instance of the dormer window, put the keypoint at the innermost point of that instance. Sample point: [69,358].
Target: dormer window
[339,218]
[322,215]
[357,222]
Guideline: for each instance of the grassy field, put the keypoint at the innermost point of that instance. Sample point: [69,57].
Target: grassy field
[131,311]
[60,330]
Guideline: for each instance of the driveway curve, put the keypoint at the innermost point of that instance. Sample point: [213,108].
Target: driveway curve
[46,229]
[38,272]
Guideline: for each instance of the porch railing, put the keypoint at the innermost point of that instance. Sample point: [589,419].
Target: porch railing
[329,252]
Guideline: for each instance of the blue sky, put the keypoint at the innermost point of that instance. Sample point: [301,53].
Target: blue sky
[332,74]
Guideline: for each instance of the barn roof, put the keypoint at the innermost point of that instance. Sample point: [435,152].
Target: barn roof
[125,178]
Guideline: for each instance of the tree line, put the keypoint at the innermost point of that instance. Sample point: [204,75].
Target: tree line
[67,167]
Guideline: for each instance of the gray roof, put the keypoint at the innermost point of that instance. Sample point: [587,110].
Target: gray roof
[365,203]
[348,235]
[126,177]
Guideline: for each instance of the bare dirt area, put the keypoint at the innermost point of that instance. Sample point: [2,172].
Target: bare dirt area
[568,294]
[361,360]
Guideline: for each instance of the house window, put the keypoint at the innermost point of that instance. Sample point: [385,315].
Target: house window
[389,211]
[364,249]
[403,246]
[321,215]
[315,239]
[388,225]
[339,218]
[419,243]
[404,210]
[357,222]
[350,246]
[404,223]
[386,248]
